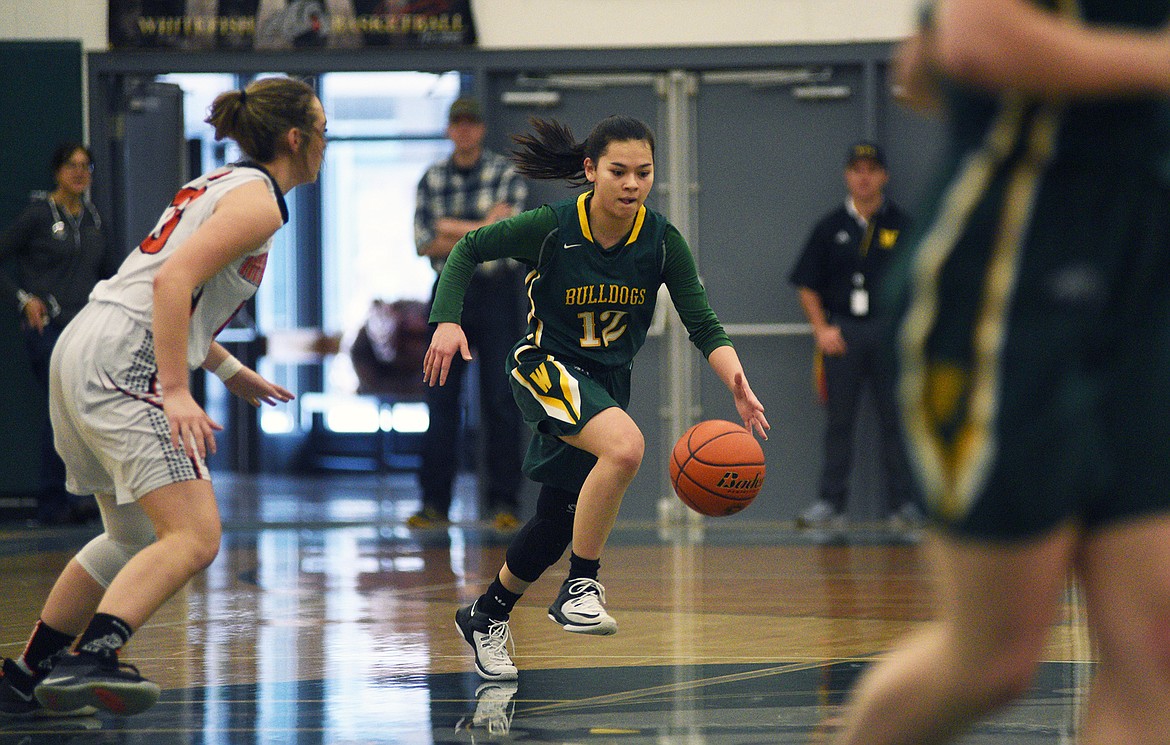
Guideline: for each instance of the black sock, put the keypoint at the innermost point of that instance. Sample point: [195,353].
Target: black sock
[583,568]
[43,646]
[105,635]
[497,602]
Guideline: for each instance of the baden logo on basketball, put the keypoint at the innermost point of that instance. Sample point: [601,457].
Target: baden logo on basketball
[732,481]
[717,468]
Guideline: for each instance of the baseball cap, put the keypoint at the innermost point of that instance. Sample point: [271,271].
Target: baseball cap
[865,150]
[465,108]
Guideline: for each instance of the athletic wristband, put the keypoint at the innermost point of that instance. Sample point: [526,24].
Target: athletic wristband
[229,367]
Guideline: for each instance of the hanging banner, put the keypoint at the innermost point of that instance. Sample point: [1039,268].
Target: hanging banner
[289,24]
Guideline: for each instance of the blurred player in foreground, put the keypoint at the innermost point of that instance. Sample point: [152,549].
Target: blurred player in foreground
[1034,367]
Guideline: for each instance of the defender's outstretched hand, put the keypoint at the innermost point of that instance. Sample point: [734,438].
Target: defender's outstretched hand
[255,389]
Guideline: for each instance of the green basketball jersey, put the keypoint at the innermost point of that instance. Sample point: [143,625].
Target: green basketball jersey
[1031,345]
[588,305]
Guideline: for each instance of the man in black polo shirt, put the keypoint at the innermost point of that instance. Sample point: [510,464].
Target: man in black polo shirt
[838,276]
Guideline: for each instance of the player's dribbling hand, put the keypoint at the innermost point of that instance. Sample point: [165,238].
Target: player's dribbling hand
[750,409]
[447,341]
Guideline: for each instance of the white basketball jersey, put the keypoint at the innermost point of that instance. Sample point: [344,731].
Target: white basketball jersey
[216,300]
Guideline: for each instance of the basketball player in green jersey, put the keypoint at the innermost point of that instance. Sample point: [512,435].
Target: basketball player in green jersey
[596,263]
[1034,367]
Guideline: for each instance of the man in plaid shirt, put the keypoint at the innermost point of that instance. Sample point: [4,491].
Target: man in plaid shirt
[469,189]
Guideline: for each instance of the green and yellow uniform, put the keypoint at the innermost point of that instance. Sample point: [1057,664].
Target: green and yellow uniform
[1034,340]
[589,309]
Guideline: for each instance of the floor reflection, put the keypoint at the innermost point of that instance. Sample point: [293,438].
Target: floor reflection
[698,705]
[325,620]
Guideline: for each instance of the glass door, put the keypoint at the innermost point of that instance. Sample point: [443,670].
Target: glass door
[385,130]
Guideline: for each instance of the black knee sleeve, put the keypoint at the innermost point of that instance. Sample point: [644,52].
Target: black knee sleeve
[543,539]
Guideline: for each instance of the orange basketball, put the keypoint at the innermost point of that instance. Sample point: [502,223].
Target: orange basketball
[717,468]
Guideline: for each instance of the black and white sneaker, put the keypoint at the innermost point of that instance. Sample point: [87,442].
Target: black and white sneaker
[489,638]
[493,708]
[92,680]
[579,608]
[17,700]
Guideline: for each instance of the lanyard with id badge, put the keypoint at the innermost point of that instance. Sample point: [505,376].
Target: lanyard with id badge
[859,295]
[59,230]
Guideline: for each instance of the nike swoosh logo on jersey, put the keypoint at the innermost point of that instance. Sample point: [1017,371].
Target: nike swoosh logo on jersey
[572,245]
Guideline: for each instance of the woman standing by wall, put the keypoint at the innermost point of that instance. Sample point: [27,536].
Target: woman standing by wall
[60,251]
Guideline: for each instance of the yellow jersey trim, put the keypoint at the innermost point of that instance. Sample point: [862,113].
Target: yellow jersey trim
[583,219]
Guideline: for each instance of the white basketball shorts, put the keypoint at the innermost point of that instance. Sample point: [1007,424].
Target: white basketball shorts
[106,408]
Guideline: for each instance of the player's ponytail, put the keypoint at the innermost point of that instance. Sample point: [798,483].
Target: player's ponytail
[260,115]
[552,152]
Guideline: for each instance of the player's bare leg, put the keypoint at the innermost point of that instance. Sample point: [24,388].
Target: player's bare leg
[1125,574]
[617,442]
[185,520]
[995,606]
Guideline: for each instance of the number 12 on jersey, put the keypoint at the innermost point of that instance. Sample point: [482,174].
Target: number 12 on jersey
[612,321]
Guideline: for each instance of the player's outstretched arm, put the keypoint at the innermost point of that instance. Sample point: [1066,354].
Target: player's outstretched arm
[241,380]
[256,389]
[915,76]
[1016,44]
[725,362]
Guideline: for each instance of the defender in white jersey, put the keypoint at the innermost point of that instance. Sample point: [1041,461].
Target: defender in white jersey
[217,299]
[95,427]
[124,420]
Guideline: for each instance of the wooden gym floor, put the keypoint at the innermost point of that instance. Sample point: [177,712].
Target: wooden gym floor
[326,620]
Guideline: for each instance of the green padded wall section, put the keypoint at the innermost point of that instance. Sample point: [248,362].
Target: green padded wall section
[41,86]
